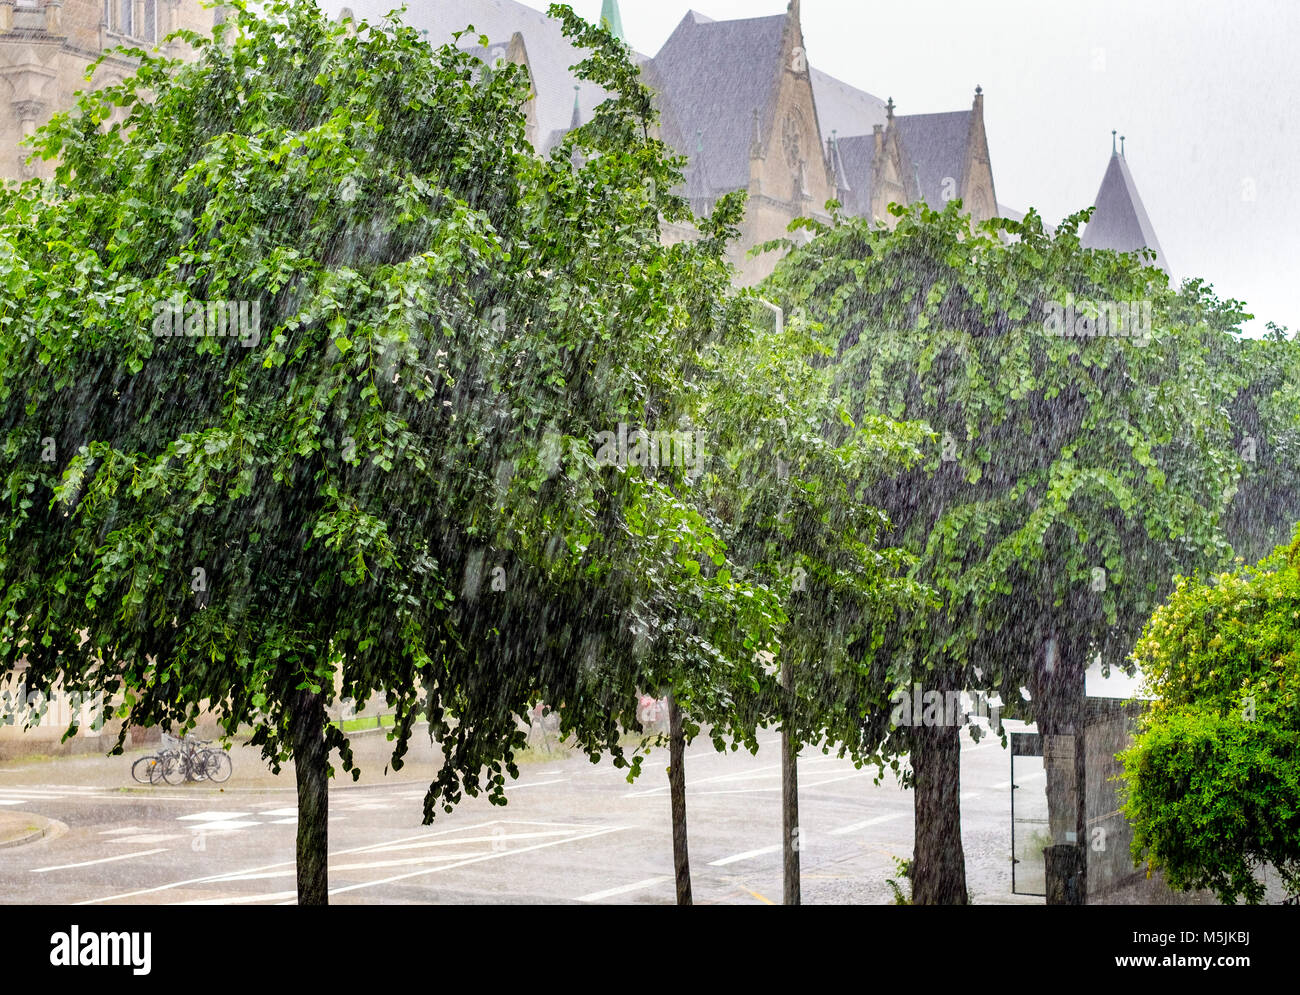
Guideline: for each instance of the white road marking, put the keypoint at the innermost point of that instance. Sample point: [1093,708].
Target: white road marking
[291,821]
[211,816]
[832,780]
[741,776]
[460,840]
[274,896]
[118,832]
[282,812]
[208,878]
[14,801]
[474,860]
[597,896]
[532,784]
[148,838]
[869,822]
[747,855]
[970,794]
[102,860]
[982,746]
[212,827]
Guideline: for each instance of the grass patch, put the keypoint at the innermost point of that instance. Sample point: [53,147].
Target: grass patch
[358,725]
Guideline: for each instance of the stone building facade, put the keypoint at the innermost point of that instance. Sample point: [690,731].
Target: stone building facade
[46,47]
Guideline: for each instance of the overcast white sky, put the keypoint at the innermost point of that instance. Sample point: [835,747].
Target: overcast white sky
[1202,89]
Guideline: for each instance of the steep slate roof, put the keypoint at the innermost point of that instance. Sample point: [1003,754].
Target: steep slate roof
[857,153]
[711,77]
[844,108]
[549,53]
[1120,221]
[933,147]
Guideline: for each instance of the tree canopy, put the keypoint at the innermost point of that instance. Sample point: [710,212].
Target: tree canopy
[387,482]
[1083,457]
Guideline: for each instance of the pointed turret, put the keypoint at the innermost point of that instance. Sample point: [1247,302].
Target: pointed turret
[843,189]
[611,20]
[577,158]
[1120,221]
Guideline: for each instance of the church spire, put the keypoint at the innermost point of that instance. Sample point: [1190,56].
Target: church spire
[1120,221]
[611,20]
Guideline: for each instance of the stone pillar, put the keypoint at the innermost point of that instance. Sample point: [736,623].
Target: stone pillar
[54,16]
[6,15]
[1065,861]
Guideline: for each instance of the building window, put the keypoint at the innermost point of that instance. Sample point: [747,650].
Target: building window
[149,30]
[128,17]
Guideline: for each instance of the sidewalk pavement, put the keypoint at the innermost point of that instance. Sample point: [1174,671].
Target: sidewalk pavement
[17,828]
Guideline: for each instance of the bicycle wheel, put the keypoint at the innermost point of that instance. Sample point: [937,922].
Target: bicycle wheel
[157,769]
[198,767]
[175,769]
[143,768]
[218,766]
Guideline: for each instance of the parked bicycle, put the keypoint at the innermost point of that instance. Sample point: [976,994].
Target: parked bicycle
[180,760]
[148,770]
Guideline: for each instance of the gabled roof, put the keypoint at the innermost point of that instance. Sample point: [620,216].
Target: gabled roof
[934,149]
[1120,221]
[549,53]
[858,154]
[712,76]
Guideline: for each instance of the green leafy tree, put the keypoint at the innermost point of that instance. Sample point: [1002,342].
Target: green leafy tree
[1213,778]
[386,484]
[1265,415]
[788,488]
[1073,475]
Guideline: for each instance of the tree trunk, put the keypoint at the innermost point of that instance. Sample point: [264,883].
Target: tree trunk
[789,800]
[677,791]
[311,763]
[938,860]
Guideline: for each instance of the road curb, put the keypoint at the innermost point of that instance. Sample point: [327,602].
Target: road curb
[45,827]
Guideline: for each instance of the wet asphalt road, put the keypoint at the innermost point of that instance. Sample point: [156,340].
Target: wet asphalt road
[572,832]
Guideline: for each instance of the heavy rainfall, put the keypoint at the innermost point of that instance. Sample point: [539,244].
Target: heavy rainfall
[451,457]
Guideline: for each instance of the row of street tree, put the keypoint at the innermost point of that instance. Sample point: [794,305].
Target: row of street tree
[397,491]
